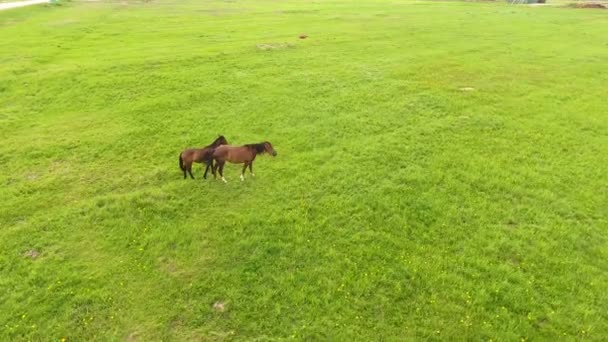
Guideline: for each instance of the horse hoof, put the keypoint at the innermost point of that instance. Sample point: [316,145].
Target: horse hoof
[224,180]
[242,178]
[253,175]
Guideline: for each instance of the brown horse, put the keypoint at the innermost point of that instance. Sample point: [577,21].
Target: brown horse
[200,155]
[240,155]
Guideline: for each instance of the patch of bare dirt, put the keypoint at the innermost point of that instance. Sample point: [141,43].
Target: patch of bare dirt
[219,306]
[32,253]
[273,46]
[589,5]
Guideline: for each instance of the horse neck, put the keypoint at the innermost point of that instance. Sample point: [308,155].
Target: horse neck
[214,144]
[254,149]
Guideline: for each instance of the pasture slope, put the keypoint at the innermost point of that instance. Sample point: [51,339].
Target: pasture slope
[441,171]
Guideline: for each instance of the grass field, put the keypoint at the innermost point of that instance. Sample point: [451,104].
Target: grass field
[399,207]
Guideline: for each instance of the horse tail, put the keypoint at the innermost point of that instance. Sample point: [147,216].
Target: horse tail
[181,163]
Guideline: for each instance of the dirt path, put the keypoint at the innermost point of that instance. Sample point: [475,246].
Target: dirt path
[9,5]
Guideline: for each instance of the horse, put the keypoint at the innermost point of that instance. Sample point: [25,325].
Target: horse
[240,155]
[200,155]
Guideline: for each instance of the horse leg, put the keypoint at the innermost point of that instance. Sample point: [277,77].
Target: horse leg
[221,170]
[243,172]
[251,169]
[189,168]
[214,168]
[209,165]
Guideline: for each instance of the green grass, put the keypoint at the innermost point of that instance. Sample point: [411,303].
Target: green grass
[399,206]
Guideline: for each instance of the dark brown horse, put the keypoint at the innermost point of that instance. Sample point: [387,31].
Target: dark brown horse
[240,155]
[200,155]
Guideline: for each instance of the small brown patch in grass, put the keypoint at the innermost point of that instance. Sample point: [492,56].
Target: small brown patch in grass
[219,306]
[514,260]
[32,253]
[273,46]
[589,5]
[133,337]
[303,36]
[171,267]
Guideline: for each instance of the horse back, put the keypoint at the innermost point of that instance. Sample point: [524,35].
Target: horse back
[220,151]
[235,154]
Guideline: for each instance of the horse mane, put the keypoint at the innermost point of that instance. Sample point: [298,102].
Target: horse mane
[217,141]
[258,148]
